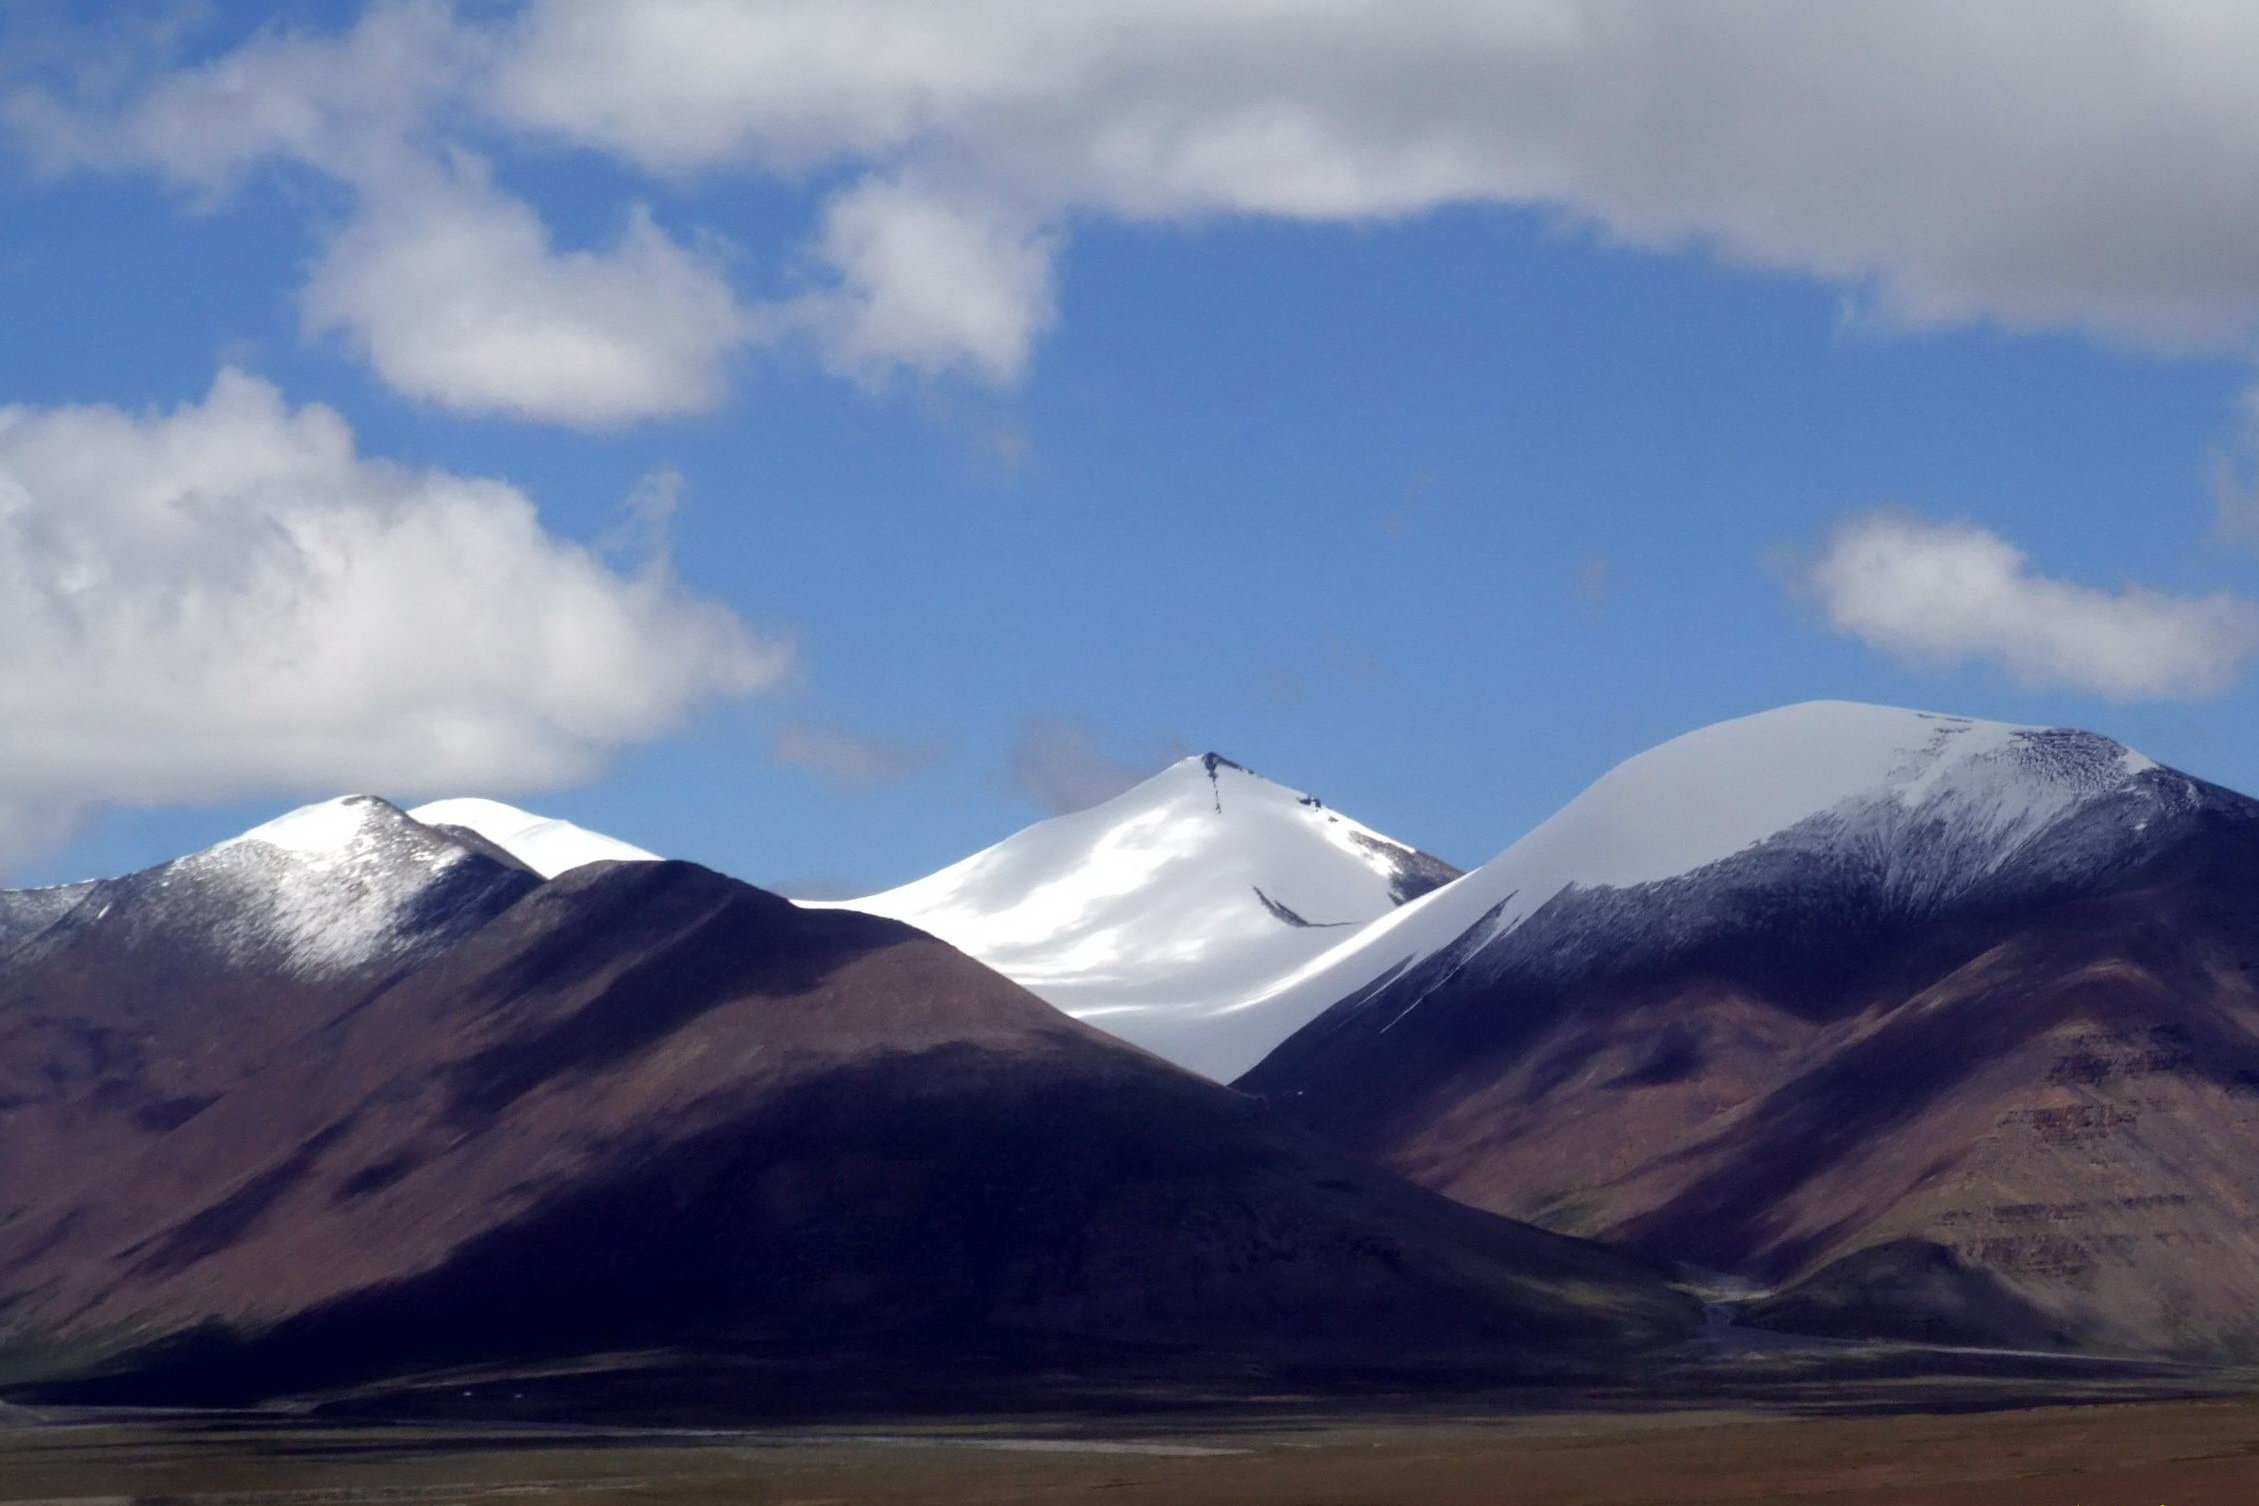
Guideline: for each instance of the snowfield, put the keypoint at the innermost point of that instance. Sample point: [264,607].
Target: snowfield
[1158,914]
[543,843]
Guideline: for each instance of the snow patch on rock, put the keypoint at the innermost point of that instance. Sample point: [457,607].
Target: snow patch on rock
[321,889]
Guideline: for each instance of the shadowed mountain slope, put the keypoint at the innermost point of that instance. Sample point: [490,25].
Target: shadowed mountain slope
[472,1116]
[1945,1027]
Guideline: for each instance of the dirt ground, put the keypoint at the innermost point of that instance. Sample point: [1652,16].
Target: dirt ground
[2176,1453]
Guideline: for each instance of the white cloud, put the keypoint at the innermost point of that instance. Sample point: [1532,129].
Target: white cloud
[1952,594]
[2029,161]
[2076,164]
[453,294]
[349,104]
[227,599]
[849,762]
[451,290]
[788,86]
[929,284]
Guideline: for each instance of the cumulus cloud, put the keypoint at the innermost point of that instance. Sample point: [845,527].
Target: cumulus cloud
[848,762]
[227,599]
[451,290]
[352,104]
[929,284]
[1945,594]
[454,295]
[1062,766]
[2033,163]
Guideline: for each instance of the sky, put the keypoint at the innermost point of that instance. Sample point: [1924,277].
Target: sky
[818,437]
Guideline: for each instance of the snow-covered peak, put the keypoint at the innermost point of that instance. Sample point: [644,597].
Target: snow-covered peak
[327,830]
[328,887]
[321,889]
[1930,802]
[1714,792]
[543,843]
[1154,913]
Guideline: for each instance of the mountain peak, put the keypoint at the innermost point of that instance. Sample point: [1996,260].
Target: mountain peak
[333,885]
[1157,913]
[323,828]
[1198,778]
[323,889]
[1917,806]
[1714,791]
[1196,766]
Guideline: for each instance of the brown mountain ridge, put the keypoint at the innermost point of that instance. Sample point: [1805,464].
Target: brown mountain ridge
[2020,1107]
[646,1106]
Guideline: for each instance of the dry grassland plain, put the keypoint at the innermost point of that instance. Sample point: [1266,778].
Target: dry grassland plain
[2175,1453]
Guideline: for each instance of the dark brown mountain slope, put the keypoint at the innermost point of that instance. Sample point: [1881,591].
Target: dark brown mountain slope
[2025,1113]
[643,1104]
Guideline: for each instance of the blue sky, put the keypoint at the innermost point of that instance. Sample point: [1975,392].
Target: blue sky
[1436,509]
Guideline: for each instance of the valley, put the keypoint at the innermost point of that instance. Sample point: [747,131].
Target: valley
[1908,1089]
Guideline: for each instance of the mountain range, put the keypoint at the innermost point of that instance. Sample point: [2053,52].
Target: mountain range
[1883,1024]
[356,1094]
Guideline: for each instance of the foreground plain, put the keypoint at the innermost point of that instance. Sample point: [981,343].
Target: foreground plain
[2095,1453]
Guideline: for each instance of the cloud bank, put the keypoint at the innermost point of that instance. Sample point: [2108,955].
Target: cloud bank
[453,294]
[2039,164]
[1946,594]
[2068,165]
[227,599]
[2042,164]
[449,288]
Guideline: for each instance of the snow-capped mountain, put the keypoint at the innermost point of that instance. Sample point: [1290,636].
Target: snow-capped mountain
[320,891]
[545,844]
[344,882]
[328,886]
[1157,915]
[324,889]
[1940,1027]
[1911,808]
[351,1096]
[1948,1028]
